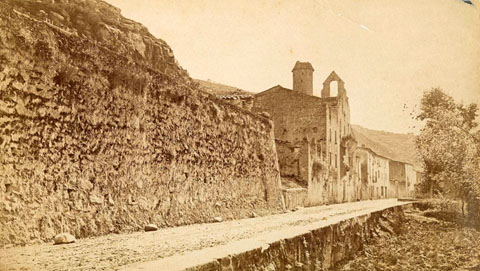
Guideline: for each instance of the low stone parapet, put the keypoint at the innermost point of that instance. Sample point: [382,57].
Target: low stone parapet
[316,246]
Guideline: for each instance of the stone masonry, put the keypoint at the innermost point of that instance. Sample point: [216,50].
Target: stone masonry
[94,142]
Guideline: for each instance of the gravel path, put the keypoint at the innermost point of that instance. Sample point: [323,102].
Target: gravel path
[116,250]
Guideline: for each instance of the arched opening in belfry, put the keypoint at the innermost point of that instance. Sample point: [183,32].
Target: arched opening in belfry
[333,89]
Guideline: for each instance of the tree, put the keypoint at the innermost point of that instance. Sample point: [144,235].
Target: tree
[449,147]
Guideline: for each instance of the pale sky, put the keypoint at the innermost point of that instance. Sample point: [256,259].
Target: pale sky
[387,51]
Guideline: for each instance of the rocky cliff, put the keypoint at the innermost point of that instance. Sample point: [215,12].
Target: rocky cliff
[101,131]
[102,24]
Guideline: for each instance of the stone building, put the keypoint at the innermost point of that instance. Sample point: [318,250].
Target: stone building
[383,177]
[397,167]
[411,180]
[404,177]
[313,135]
[374,174]
[398,177]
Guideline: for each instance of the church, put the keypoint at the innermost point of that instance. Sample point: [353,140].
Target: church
[313,135]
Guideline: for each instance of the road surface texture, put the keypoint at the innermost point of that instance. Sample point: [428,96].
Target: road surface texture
[144,249]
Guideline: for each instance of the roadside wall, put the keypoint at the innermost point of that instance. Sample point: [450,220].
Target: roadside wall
[318,249]
[93,143]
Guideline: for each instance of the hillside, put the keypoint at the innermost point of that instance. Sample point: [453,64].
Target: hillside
[399,147]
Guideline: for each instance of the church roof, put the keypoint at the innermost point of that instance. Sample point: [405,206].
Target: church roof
[280,89]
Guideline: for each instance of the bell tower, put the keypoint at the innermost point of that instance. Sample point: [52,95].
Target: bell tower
[333,77]
[303,78]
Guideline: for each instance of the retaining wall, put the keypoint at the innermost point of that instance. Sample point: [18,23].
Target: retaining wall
[94,142]
[308,248]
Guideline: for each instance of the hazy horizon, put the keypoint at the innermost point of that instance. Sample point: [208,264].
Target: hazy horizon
[387,52]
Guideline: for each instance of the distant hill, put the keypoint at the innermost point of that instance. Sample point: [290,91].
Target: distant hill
[220,89]
[399,147]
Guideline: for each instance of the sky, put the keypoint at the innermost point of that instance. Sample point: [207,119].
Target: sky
[386,51]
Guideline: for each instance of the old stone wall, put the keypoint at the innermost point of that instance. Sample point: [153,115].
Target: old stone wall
[318,187]
[303,163]
[93,142]
[288,159]
[295,197]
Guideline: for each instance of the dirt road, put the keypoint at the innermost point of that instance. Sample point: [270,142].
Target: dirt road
[116,250]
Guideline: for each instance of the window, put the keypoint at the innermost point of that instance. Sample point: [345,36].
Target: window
[335,137]
[336,161]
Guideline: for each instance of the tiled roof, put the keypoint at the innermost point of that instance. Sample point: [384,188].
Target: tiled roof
[278,88]
[220,89]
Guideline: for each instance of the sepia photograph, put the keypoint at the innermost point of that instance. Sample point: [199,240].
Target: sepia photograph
[228,135]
